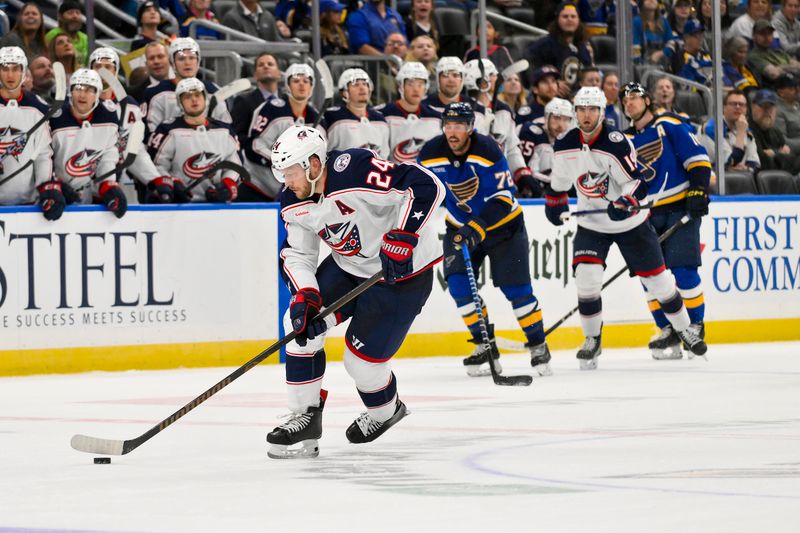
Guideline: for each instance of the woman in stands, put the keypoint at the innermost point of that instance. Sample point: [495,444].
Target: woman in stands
[423,50]
[743,26]
[28,32]
[61,49]
[736,74]
[513,93]
[333,35]
[681,12]
[651,32]
[703,14]
[420,21]
[566,43]
[664,93]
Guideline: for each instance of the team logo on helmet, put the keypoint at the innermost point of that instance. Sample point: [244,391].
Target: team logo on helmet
[342,238]
[83,164]
[465,191]
[195,166]
[408,150]
[302,134]
[593,184]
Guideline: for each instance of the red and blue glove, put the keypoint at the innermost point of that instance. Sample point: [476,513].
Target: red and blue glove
[160,190]
[181,195]
[623,207]
[555,204]
[304,307]
[51,199]
[114,199]
[396,254]
[227,191]
[527,185]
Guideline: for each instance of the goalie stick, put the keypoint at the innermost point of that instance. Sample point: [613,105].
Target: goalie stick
[84,443]
[326,80]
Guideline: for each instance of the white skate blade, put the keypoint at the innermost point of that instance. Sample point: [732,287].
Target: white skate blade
[308,449]
[543,369]
[692,355]
[667,354]
[478,371]
[588,364]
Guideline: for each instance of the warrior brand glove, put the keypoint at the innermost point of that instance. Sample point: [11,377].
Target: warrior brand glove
[224,192]
[555,204]
[113,198]
[306,304]
[51,199]
[69,194]
[470,234]
[160,190]
[396,251]
[623,207]
[527,185]
[179,192]
[697,202]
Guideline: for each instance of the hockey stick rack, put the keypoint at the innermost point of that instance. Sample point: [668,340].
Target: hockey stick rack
[84,443]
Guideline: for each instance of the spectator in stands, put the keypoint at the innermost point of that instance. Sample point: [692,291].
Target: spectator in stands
[267,76]
[148,18]
[566,43]
[590,77]
[770,62]
[176,7]
[788,120]
[598,16]
[664,98]
[158,69]
[514,94]
[423,50]
[70,22]
[420,21]
[396,46]
[544,87]
[333,36]
[200,10]
[250,18]
[689,60]
[61,49]
[773,152]
[787,26]
[610,86]
[370,26]
[739,147]
[703,14]
[651,32]
[743,26]
[681,12]
[736,73]
[293,15]
[497,53]
[43,79]
[28,32]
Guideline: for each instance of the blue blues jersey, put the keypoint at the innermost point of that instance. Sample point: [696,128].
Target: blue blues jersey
[479,182]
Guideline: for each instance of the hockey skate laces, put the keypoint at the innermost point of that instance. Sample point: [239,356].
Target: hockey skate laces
[295,421]
[367,424]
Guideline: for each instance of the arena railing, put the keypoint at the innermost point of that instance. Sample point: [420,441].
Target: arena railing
[708,96]
[131,21]
[475,16]
[49,23]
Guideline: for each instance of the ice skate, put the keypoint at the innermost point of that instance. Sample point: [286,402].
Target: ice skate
[477,364]
[540,359]
[666,345]
[589,352]
[692,338]
[367,429]
[299,428]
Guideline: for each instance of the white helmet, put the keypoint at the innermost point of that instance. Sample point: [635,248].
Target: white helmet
[590,97]
[89,78]
[472,73]
[183,44]
[558,107]
[295,146]
[298,69]
[413,70]
[349,76]
[13,55]
[104,53]
[188,85]
[448,64]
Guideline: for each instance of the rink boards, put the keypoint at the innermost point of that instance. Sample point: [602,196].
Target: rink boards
[166,287]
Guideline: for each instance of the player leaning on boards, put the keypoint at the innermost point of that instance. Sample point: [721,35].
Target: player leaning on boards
[669,152]
[482,212]
[601,162]
[373,214]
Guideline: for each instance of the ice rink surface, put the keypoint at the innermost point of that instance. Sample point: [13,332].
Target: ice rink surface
[636,446]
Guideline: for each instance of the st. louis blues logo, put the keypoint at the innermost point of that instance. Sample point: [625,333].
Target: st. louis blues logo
[342,238]
[465,191]
[593,184]
[12,142]
[647,155]
[408,150]
[83,164]
[198,164]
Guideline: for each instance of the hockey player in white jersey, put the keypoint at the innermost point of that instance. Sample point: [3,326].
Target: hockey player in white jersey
[411,122]
[536,142]
[270,119]
[601,162]
[450,82]
[85,144]
[160,105]
[374,215]
[19,111]
[142,169]
[357,125]
[189,147]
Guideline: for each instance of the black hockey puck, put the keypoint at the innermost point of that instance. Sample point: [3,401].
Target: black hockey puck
[102,460]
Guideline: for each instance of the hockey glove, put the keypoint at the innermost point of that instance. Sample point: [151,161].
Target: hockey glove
[623,207]
[69,193]
[51,199]
[114,199]
[160,191]
[223,192]
[527,185]
[470,234]
[396,254]
[555,204]
[179,192]
[305,305]
[697,202]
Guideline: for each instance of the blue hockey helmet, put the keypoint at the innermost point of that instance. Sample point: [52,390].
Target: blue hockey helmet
[458,112]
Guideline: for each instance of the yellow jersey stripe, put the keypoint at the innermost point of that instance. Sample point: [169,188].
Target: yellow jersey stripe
[533,318]
[435,162]
[479,160]
[512,215]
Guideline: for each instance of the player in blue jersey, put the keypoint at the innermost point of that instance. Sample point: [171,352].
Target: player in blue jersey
[374,215]
[482,211]
[677,170]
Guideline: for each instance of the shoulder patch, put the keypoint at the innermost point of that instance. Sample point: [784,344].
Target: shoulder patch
[341,162]
[524,110]
[562,134]
[616,137]
[111,106]
[334,108]
[277,102]
[57,114]
[535,129]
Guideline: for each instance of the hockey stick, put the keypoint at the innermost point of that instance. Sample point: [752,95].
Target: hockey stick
[228,91]
[567,215]
[509,344]
[84,443]
[135,137]
[326,79]
[514,68]
[222,165]
[119,93]
[521,380]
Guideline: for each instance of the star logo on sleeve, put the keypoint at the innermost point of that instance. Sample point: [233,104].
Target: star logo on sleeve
[417,215]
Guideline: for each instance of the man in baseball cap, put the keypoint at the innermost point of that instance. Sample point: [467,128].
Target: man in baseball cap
[771,62]
[544,86]
[773,151]
[788,120]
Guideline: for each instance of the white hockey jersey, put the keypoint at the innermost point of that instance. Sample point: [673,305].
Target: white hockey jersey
[601,173]
[85,149]
[408,132]
[345,130]
[161,107]
[186,152]
[16,118]
[499,124]
[364,197]
[142,167]
[536,148]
